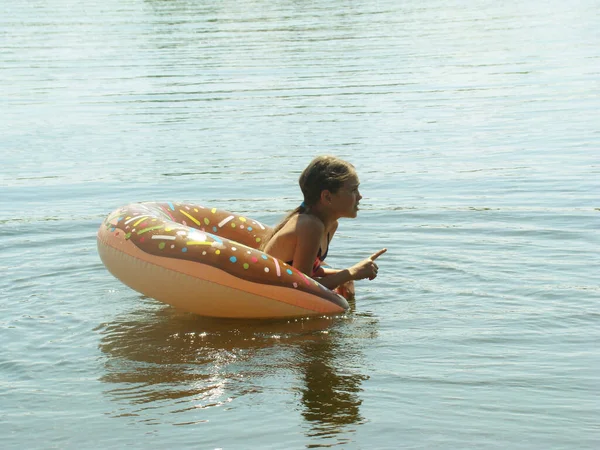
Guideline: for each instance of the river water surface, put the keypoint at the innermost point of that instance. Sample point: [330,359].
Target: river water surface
[474,128]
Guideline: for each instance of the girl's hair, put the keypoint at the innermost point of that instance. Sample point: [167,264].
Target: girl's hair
[323,173]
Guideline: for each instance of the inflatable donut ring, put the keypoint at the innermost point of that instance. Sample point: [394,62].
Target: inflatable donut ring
[205,261]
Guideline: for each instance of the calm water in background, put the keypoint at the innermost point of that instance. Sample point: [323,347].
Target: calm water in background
[475,130]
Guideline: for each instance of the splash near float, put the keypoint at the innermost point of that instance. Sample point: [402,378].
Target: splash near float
[205,261]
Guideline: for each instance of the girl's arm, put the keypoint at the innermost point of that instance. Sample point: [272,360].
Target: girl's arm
[326,271]
[308,233]
[308,240]
[331,278]
[364,269]
[346,289]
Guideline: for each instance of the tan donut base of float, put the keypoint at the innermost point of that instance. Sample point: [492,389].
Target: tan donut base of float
[202,289]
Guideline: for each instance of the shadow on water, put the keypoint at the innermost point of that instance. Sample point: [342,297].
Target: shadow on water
[160,359]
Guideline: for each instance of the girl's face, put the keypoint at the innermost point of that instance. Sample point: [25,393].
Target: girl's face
[345,201]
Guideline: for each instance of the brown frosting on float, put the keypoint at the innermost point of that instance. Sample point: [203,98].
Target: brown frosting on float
[210,236]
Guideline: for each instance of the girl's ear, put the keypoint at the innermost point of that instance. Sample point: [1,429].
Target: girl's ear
[326,196]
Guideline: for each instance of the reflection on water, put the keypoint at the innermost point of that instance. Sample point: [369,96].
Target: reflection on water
[331,391]
[172,362]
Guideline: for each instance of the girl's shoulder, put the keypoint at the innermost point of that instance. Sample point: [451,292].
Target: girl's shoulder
[306,223]
[310,224]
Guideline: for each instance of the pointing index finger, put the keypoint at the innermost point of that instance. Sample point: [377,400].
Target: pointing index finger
[376,255]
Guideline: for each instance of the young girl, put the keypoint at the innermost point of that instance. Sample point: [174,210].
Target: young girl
[330,188]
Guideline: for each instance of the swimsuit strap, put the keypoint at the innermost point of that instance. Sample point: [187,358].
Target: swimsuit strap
[322,258]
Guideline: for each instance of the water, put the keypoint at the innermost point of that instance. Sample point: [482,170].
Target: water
[474,129]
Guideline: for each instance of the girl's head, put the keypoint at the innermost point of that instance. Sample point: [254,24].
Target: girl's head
[324,173]
[331,183]
[328,184]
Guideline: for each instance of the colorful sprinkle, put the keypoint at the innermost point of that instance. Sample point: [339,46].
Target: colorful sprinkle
[214,210]
[134,218]
[184,249]
[233,249]
[242,219]
[224,221]
[254,259]
[193,219]
[161,245]
[217,252]
[206,221]
[249,228]
[303,276]
[168,213]
[266,269]
[145,230]
[263,256]
[113,215]
[258,239]
[171,206]
[289,272]
[163,236]
[277,267]
[139,221]
[233,259]
[246,265]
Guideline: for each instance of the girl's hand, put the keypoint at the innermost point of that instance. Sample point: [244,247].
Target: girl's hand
[367,267]
[346,290]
